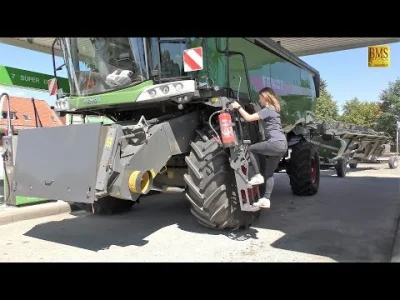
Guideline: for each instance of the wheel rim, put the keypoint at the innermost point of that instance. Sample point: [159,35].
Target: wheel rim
[313,170]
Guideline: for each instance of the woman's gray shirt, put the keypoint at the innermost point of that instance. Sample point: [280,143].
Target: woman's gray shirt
[272,124]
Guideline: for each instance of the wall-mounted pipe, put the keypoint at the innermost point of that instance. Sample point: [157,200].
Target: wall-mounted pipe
[9,128]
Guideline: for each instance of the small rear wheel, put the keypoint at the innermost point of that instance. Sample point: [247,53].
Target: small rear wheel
[393,162]
[353,165]
[304,169]
[341,167]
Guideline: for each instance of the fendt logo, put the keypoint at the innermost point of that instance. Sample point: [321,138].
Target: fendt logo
[378,56]
[91,101]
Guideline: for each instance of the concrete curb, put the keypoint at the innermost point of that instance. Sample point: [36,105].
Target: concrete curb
[16,214]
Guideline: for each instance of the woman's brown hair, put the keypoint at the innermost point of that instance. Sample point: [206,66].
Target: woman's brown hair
[269,95]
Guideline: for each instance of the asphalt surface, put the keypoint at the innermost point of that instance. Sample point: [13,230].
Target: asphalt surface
[351,219]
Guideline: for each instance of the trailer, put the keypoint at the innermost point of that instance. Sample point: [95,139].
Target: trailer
[343,146]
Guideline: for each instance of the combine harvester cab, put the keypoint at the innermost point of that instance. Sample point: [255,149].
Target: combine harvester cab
[345,145]
[173,129]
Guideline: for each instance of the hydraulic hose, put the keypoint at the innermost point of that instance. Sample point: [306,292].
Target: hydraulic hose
[6,201]
[212,128]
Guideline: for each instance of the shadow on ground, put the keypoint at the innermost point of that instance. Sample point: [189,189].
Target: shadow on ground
[95,232]
[351,219]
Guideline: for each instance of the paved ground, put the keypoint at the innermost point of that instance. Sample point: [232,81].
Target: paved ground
[351,219]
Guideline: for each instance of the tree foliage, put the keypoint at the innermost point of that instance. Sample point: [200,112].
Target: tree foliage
[360,112]
[380,115]
[386,122]
[389,102]
[326,108]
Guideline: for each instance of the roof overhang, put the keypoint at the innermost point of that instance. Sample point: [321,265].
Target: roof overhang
[36,44]
[311,46]
[298,46]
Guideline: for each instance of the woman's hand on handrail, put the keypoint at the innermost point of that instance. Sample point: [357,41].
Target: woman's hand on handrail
[248,117]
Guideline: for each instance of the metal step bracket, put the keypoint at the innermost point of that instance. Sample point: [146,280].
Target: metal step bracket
[237,161]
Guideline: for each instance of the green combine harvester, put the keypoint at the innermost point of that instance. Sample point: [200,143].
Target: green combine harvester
[344,145]
[169,101]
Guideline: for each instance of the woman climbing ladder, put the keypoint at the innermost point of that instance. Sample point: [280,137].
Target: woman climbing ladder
[274,146]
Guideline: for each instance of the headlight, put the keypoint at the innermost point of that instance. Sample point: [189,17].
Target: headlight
[152,93]
[179,87]
[165,89]
[172,90]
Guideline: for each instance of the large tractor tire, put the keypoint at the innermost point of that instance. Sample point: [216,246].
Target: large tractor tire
[211,189]
[107,206]
[304,170]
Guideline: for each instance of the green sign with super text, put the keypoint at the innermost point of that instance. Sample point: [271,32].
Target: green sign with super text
[27,79]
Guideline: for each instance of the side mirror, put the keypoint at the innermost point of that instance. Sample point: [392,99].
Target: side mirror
[60,67]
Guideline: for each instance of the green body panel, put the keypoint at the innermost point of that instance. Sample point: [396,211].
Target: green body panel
[19,200]
[88,119]
[27,79]
[122,96]
[293,85]
[330,149]
[216,64]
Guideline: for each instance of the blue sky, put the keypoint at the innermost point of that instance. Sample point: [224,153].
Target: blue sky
[32,61]
[346,72]
[348,75]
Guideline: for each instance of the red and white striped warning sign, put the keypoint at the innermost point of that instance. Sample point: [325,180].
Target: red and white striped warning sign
[52,85]
[193,59]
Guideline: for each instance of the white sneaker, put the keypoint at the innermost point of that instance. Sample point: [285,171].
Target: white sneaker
[262,203]
[256,180]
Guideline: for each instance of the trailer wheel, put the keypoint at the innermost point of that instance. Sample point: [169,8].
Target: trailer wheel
[211,189]
[393,162]
[304,169]
[353,165]
[108,206]
[341,167]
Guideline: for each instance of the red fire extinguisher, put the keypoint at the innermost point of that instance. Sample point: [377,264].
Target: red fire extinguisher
[227,134]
